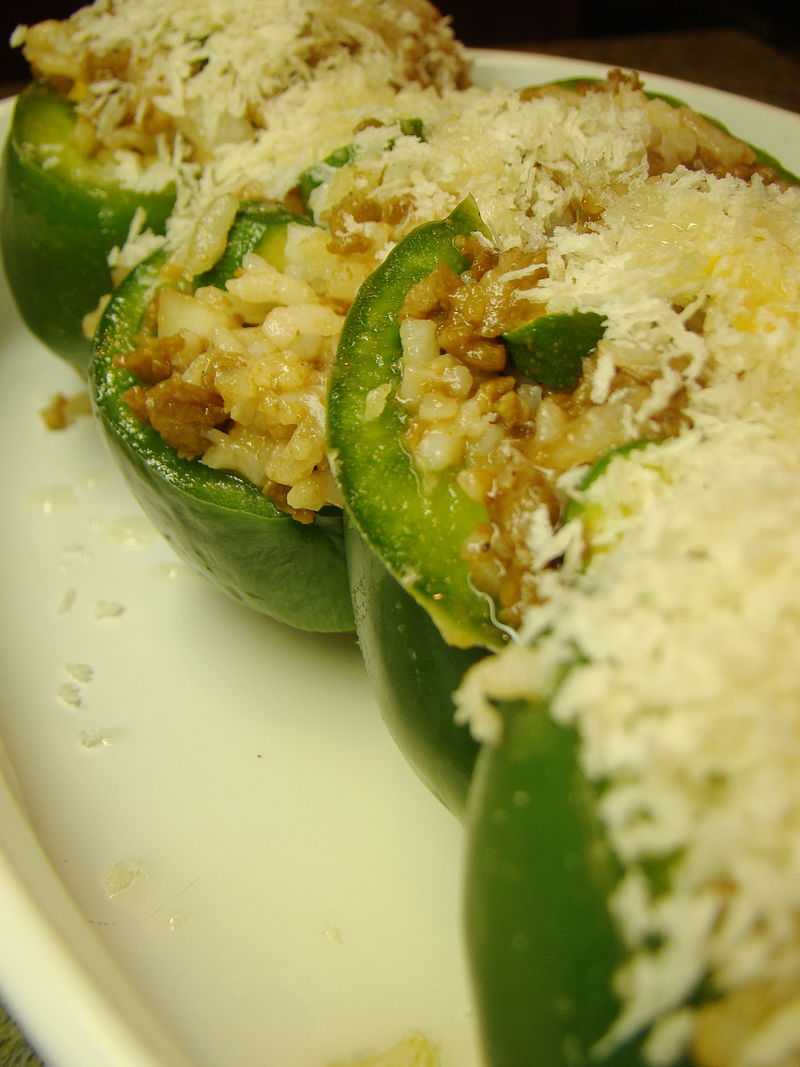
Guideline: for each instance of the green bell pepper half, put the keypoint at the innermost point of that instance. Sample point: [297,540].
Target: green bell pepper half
[413,674]
[542,944]
[218,522]
[415,533]
[60,216]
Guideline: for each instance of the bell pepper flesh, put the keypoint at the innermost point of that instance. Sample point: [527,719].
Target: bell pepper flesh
[221,524]
[413,674]
[415,533]
[259,227]
[60,216]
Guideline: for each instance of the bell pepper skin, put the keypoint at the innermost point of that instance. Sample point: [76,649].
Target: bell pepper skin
[541,944]
[551,349]
[219,523]
[60,216]
[413,674]
[376,475]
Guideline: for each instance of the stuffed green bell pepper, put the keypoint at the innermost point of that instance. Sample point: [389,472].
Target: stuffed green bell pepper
[630,895]
[207,385]
[409,583]
[140,99]
[61,214]
[453,351]
[421,616]
[474,380]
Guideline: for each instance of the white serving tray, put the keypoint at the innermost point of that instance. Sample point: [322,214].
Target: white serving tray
[210,850]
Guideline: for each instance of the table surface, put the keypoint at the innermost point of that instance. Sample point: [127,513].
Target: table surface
[728,59]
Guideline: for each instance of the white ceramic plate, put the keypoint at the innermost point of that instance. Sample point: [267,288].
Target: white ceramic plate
[210,851]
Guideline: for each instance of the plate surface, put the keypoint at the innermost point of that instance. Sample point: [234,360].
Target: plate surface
[210,850]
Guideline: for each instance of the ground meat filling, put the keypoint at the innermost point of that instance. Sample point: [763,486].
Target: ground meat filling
[345,222]
[510,438]
[566,431]
[181,412]
[194,418]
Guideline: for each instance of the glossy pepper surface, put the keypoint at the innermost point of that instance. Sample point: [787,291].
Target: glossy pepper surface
[542,943]
[223,525]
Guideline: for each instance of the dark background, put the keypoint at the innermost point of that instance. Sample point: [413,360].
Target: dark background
[512,22]
[501,23]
